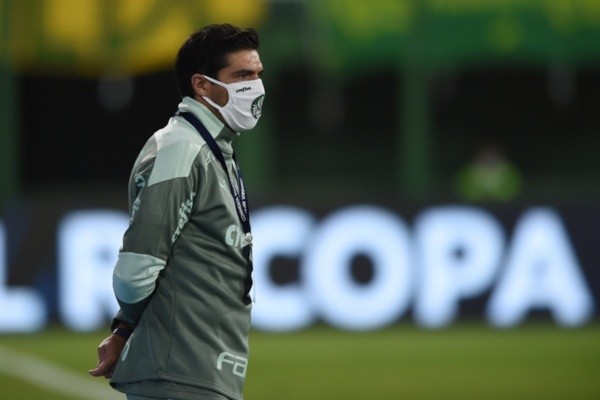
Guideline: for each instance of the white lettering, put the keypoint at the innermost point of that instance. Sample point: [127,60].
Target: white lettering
[459,251]
[23,309]
[88,246]
[542,272]
[184,210]
[359,230]
[238,364]
[280,231]
[233,236]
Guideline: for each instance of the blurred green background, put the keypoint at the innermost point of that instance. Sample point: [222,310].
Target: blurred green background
[401,103]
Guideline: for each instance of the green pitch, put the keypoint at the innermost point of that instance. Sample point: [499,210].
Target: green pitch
[465,361]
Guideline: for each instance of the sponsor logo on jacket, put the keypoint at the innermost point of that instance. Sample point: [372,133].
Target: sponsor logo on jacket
[184,215]
[140,183]
[235,236]
[237,364]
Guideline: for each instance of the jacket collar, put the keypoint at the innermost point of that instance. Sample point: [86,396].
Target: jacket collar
[220,132]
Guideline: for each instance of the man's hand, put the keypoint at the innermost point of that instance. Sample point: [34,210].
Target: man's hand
[109,352]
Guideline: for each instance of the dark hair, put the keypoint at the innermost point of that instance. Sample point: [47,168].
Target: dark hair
[205,51]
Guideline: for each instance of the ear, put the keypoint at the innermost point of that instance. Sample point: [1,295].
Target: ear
[200,85]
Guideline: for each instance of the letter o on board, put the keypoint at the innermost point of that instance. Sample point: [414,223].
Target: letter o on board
[340,300]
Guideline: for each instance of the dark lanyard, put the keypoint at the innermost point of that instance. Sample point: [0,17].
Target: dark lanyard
[239,196]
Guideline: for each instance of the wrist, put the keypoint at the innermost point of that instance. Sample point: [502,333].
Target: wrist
[123,331]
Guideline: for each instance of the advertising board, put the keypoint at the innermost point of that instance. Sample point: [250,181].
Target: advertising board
[356,267]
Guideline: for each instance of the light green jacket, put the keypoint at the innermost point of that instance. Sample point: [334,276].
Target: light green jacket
[181,270]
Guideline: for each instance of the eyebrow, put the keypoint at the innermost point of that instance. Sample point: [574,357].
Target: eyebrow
[241,72]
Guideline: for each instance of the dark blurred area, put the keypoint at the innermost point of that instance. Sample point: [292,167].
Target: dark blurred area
[69,136]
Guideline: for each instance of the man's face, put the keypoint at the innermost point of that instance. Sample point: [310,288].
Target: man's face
[243,65]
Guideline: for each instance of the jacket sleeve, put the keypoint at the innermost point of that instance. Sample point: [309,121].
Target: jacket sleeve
[163,190]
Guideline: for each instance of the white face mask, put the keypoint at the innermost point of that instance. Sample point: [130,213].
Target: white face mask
[244,106]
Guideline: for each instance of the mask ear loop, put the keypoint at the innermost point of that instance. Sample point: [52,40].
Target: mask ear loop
[223,85]
[215,81]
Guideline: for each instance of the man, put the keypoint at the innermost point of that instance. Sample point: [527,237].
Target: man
[183,275]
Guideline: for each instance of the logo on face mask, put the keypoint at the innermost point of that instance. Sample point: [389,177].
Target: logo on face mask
[256,107]
[242,90]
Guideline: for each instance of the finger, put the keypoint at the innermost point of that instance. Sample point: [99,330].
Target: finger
[100,370]
[99,366]
[94,372]
[101,350]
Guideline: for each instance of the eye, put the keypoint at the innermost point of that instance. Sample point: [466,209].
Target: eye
[244,75]
[248,74]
